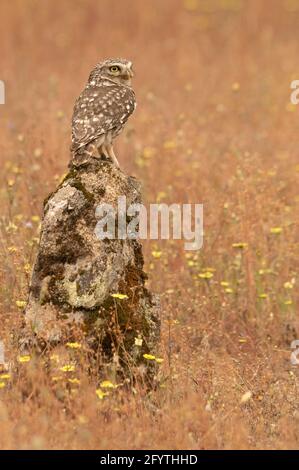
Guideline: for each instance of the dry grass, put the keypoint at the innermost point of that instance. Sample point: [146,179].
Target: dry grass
[212,83]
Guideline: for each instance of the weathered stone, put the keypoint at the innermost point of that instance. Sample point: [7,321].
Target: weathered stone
[75,272]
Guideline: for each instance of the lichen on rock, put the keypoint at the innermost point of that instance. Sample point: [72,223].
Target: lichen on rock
[76,273]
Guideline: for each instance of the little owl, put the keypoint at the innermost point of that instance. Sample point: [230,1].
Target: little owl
[102,109]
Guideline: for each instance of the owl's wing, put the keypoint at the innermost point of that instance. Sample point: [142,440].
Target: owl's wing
[98,110]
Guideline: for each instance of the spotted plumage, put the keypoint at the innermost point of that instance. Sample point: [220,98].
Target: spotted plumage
[102,109]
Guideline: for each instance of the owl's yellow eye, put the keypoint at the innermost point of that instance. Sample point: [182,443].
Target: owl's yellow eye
[114,69]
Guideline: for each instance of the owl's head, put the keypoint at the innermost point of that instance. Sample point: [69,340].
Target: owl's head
[118,70]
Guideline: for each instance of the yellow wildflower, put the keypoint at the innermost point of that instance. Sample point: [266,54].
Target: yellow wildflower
[228,290]
[169,291]
[54,357]
[224,283]
[101,394]
[206,275]
[286,302]
[191,263]
[20,303]
[159,360]
[67,368]
[157,254]
[150,357]
[11,227]
[74,381]
[5,376]
[27,268]
[107,384]
[288,285]
[15,169]
[240,245]
[23,359]
[263,296]
[2,385]
[276,230]
[290,107]
[265,271]
[74,345]
[174,321]
[119,296]
[161,195]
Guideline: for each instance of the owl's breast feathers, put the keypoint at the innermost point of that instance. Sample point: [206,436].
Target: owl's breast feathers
[98,110]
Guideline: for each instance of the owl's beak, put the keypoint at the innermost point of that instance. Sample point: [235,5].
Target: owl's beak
[128,74]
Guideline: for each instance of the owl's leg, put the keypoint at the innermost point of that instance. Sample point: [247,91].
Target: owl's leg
[104,152]
[112,154]
[107,151]
[100,146]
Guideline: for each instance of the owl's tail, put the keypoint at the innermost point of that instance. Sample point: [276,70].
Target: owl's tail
[82,156]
